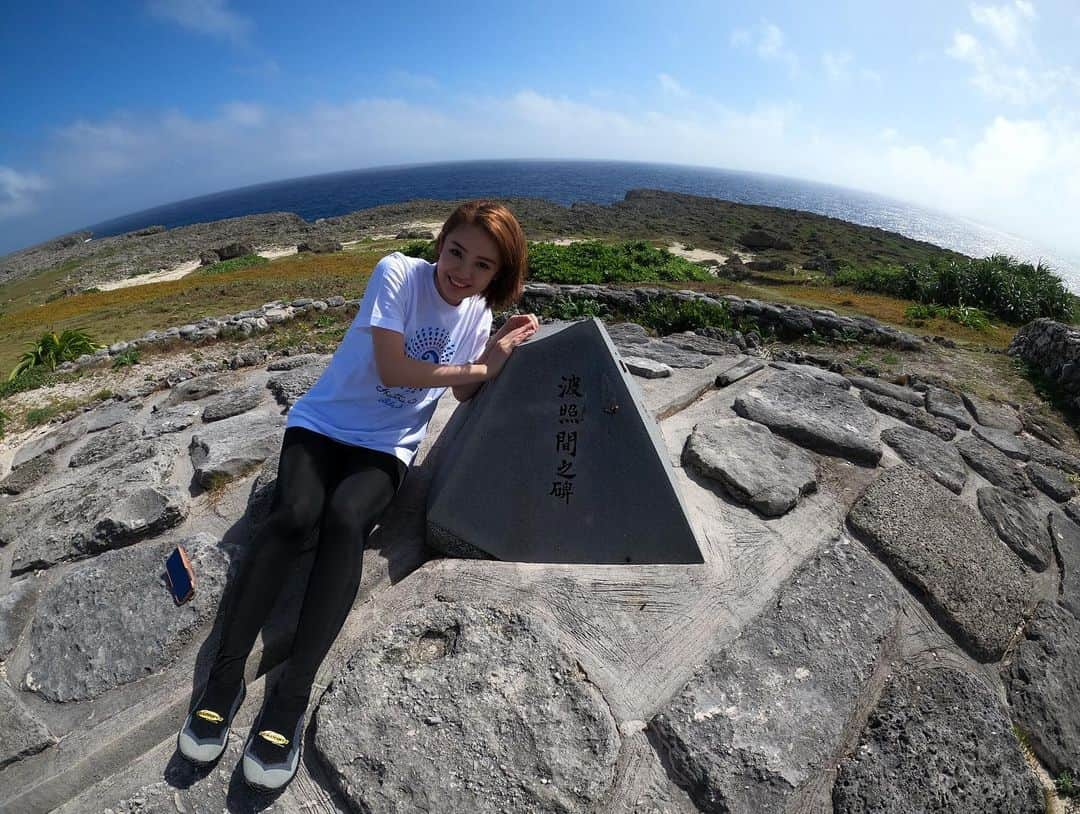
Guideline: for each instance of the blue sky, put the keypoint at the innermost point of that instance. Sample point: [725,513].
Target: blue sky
[970,107]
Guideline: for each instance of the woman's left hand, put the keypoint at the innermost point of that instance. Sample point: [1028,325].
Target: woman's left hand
[515,322]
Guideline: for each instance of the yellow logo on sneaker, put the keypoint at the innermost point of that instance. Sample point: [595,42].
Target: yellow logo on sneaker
[274,737]
[209,715]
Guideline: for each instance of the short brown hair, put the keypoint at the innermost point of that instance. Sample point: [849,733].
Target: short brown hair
[502,227]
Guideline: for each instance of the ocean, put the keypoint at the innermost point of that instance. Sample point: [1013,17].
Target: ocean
[322,196]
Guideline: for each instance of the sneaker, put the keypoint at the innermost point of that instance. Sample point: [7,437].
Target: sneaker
[271,759]
[206,731]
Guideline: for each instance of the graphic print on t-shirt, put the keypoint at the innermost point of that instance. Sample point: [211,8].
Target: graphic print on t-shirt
[428,345]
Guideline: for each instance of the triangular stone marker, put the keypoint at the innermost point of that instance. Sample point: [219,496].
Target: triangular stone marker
[557,461]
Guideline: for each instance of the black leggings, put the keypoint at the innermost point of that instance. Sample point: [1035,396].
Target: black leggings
[341,491]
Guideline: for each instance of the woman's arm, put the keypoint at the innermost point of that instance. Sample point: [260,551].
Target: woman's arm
[397,369]
[526,324]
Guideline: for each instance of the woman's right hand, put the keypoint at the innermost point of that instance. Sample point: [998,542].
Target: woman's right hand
[501,348]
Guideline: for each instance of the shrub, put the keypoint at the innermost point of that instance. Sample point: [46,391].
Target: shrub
[4,419]
[670,315]
[236,264]
[569,308]
[969,317]
[52,349]
[1066,785]
[420,248]
[126,358]
[591,261]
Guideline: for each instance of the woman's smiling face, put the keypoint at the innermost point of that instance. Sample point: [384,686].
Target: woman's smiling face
[467,264]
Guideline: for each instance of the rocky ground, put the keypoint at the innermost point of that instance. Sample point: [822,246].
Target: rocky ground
[886,618]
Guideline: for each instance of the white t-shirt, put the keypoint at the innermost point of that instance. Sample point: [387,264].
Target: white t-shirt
[349,403]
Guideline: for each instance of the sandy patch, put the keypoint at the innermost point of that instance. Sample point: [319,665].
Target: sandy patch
[165,275]
[566,241]
[696,255]
[274,252]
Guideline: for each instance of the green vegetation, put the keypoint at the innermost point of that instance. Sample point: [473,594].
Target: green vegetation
[42,415]
[1017,292]
[1066,785]
[126,358]
[569,308]
[52,349]
[236,264]
[917,314]
[420,248]
[670,315]
[4,419]
[594,262]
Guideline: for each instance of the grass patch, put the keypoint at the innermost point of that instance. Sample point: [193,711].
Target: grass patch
[37,416]
[918,314]
[592,261]
[236,264]
[126,358]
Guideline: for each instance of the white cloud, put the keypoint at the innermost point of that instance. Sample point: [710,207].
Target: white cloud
[413,81]
[1007,23]
[670,85]
[18,191]
[840,67]
[211,17]
[767,40]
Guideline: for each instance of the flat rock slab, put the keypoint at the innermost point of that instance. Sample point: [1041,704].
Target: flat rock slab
[173,419]
[112,620]
[756,467]
[893,391]
[1043,683]
[938,740]
[21,734]
[814,414]
[702,344]
[300,360]
[233,402]
[198,388]
[822,375]
[15,607]
[993,465]
[111,414]
[646,368]
[1066,536]
[288,386]
[948,556]
[929,453]
[65,434]
[1017,524]
[914,416]
[458,708]
[105,444]
[1003,440]
[989,414]
[1050,456]
[949,405]
[739,371]
[106,506]
[766,713]
[229,449]
[662,351]
[1047,428]
[28,475]
[1052,482]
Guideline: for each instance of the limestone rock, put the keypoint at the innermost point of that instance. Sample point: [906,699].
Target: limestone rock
[989,414]
[300,360]
[66,433]
[1043,683]
[994,466]
[949,405]
[1051,481]
[1066,536]
[198,388]
[112,620]
[766,713]
[946,553]
[646,368]
[813,414]
[937,741]
[105,444]
[15,607]
[289,385]
[21,734]
[893,391]
[1003,440]
[660,350]
[28,475]
[702,344]
[106,506]
[743,368]
[229,449]
[233,402]
[1049,456]
[457,708]
[930,454]
[1017,525]
[814,372]
[914,416]
[756,467]
[1047,428]
[171,419]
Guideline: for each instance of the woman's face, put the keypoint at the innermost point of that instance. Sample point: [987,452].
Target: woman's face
[467,264]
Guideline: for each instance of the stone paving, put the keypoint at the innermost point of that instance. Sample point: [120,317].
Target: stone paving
[841,616]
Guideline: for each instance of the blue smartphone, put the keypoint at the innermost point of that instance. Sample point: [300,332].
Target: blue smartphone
[180,576]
